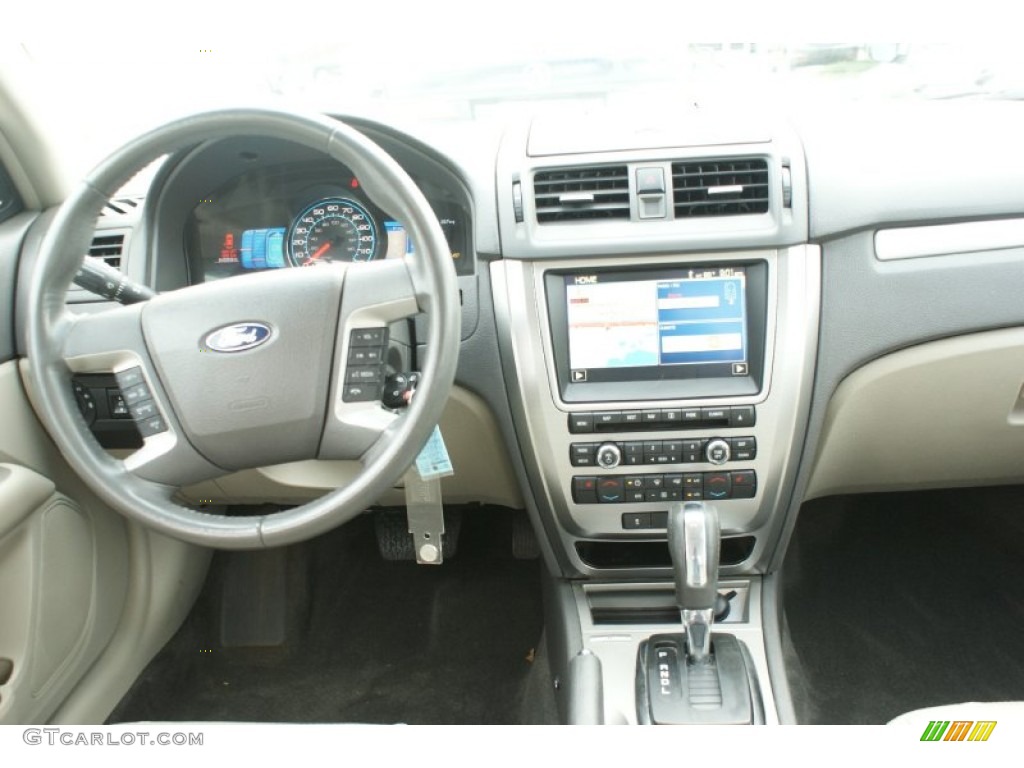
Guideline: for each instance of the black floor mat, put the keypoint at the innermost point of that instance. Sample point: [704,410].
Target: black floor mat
[900,601]
[382,642]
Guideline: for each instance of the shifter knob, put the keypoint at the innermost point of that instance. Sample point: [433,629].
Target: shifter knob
[694,545]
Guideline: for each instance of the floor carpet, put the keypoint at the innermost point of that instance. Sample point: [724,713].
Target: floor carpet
[365,640]
[900,601]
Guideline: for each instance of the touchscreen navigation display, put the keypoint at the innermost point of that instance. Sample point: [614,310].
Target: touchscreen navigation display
[693,317]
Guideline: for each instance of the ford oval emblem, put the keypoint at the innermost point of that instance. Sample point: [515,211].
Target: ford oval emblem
[237,338]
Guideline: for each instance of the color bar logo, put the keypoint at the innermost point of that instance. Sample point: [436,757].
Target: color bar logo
[958,730]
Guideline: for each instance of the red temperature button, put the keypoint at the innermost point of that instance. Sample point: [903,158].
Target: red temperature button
[717,485]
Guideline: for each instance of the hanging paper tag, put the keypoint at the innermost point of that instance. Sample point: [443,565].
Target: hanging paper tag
[433,461]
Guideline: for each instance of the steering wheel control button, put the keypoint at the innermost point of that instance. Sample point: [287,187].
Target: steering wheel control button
[118,407]
[744,448]
[368,337]
[143,410]
[129,378]
[584,490]
[359,393]
[609,456]
[744,484]
[717,451]
[86,402]
[136,394]
[366,355]
[742,416]
[151,426]
[363,375]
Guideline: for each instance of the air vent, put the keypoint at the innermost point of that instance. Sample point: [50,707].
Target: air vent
[108,248]
[581,193]
[122,206]
[723,187]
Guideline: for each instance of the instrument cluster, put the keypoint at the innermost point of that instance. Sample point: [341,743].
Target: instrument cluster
[303,215]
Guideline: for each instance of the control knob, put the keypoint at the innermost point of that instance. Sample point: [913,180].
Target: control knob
[717,451]
[609,456]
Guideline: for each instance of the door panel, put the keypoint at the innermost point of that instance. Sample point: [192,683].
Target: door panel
[63,567]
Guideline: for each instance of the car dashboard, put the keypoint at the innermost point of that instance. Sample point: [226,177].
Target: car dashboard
[745,312]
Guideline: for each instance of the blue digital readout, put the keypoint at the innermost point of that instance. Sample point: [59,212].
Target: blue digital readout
[702,321]
[262,249]
[399,243]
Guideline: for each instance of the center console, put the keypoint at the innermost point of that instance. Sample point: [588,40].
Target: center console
[651,363]
[663,378]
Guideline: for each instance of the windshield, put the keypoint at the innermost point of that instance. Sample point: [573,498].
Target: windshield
[434,69]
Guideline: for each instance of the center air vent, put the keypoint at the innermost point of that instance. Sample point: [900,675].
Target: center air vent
[724,187]
[108,248]
[582,193]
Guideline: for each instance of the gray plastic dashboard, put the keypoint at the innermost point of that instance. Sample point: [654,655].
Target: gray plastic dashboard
[852,172]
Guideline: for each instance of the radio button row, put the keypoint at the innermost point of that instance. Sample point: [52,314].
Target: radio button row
[654,452]
[661,418]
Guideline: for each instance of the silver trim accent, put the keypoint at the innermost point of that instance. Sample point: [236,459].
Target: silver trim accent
[608,449]
[696,539]
[576,198]
[948,239]
[617,646]
[794,284]
[697,626]
[718,442]
[730,189]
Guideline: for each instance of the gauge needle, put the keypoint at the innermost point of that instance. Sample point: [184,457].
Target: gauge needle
[318,252]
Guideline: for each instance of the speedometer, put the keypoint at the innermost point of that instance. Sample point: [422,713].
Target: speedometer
[333,229]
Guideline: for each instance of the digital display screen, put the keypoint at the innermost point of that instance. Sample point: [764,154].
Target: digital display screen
[694,317]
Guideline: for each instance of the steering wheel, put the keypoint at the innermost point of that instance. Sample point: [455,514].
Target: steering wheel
[250,371]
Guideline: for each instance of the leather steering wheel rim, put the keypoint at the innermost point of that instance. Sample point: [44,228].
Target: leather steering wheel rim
[50,325]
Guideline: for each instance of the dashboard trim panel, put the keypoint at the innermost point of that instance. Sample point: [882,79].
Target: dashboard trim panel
[782,403]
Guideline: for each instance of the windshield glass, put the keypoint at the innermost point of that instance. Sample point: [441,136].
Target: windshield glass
[409,66]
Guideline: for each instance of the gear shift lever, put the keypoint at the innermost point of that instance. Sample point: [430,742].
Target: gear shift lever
[693,543]
[678,679]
